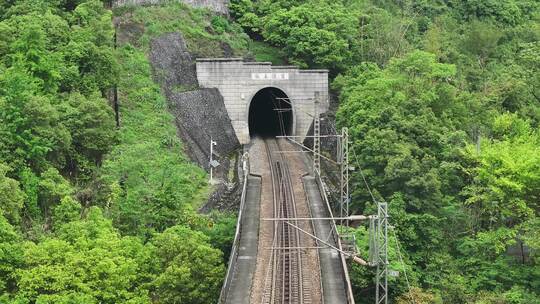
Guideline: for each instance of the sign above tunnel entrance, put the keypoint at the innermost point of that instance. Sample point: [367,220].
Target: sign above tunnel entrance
[239,82]
[270,76]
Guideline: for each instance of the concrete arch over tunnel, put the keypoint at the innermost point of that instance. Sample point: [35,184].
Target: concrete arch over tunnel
[239,82]
[270,113]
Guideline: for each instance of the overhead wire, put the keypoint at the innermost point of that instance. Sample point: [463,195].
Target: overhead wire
[402,264]
[363,176]
[393,230]
[364,179]
[360,170]
[277,107]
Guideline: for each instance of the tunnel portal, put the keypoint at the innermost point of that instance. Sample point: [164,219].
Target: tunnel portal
[246,87]
[269,114]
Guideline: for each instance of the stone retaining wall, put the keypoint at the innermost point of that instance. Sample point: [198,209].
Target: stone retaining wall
[200,113]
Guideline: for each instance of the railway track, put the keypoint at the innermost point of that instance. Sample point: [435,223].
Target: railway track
[285,280]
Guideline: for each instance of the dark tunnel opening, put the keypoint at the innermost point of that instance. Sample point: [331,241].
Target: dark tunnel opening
[270,116]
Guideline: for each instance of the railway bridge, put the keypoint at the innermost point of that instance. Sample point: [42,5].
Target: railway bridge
[281,254]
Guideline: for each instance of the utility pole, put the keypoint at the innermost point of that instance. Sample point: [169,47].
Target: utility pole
[213,163]
[381,235]
[344,176]
[316,136]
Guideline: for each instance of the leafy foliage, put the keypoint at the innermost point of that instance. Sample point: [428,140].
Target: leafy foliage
[87,260]
[449,139]
[312,34]
[442,102]
[73,185]
[12,198]
[148,164]
[190,270]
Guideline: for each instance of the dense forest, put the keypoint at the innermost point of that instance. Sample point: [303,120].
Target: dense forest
[441,98]
[442,101]
[92,212]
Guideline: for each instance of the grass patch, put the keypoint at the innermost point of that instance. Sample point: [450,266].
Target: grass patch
[154,184]
[264,52]
[203,31]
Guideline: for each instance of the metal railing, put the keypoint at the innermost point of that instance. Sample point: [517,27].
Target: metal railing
[236,242]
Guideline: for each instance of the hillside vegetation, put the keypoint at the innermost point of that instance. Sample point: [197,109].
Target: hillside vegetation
[441,98]
[91,212]
[443,104]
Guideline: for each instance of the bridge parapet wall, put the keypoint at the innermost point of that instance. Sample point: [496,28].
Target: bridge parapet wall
[239,81]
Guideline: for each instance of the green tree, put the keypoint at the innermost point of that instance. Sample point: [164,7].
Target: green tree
[481,41]
[417,295]
[31,128]
[29,42]
[53,187]
[190,270]
[313,34]
[412,156]
[407,124]
[67,211]
[91,123]
[506,11]
[506,175]
[10,256]
[381,36]
[89,55]
[88,262]
[11,196]
[221,231]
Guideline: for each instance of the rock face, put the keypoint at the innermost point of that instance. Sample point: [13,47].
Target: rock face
[218,6]
[200,113]
[174,67]
[200,117]
[174,70]
[128,32]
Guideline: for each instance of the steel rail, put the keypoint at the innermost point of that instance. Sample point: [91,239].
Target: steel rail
[272,261]
[288,283]
[312,224]
[297,240]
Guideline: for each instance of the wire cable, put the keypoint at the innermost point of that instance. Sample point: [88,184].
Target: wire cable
[363,175]
[403,264]
[359,169]
[393,230]
[277,107]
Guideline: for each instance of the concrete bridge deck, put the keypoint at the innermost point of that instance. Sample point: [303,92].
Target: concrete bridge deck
[244,265]
[249,269]
[334,288]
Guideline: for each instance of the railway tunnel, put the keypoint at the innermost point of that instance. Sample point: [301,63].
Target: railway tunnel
[245,87]
[271,260]
[270,113]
